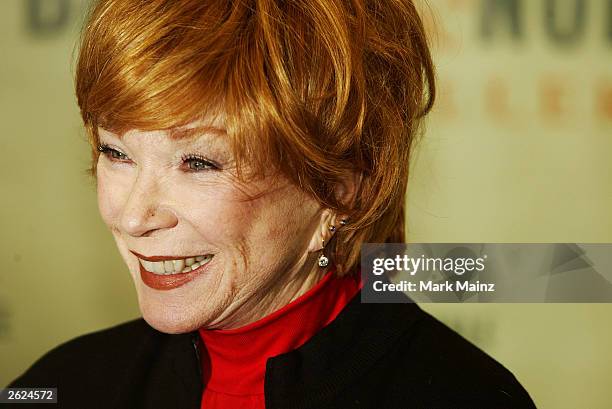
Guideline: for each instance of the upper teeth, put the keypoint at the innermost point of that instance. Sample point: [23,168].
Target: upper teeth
[182,265]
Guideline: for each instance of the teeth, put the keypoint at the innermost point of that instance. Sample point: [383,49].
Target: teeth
[158,267]
[178,266]
[147,265]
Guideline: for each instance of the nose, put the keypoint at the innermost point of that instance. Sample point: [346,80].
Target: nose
[145,212]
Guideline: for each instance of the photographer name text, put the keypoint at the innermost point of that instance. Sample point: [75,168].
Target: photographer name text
[432,286]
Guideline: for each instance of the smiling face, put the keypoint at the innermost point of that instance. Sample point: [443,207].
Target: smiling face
[174,205]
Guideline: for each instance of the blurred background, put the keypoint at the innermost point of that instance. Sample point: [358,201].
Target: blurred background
[517,150]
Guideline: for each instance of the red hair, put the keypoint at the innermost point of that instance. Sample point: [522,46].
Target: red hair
[315,89]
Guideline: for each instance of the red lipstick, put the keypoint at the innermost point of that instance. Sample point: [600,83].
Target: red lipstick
[169,281]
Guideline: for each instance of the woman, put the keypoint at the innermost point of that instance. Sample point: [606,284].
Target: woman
[243,152]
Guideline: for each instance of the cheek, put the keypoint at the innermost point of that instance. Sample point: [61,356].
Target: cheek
[219,215]
[277,222]
[111,196]
[223,216]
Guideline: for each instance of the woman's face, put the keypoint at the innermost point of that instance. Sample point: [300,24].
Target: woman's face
[174,202]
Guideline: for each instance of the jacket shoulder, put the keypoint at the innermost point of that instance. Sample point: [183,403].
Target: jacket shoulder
[89,357]
[393,356]
[447,370]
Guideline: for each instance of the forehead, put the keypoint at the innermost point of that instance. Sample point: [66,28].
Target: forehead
[189,133]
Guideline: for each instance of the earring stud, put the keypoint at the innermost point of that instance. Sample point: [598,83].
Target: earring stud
[343,222]
[332,228]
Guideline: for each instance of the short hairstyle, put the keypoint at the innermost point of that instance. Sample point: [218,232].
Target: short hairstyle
[315,89]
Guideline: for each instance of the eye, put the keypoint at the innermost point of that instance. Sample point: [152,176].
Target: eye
[196,163]
[111,153]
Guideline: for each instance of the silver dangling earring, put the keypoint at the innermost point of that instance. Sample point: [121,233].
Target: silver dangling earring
[323,261]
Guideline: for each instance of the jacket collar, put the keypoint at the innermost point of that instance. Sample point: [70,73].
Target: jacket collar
[312,374]
[320,369]
[182,354]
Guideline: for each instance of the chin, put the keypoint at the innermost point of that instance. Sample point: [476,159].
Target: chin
[169,320]
[176,311]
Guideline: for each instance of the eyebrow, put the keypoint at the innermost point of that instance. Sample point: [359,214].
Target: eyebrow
[191,133]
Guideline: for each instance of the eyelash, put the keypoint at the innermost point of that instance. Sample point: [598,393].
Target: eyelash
[195,157]
[112,153]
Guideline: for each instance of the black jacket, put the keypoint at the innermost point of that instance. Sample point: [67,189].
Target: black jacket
[383,356]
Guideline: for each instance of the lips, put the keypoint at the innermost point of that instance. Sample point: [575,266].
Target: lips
[166,280]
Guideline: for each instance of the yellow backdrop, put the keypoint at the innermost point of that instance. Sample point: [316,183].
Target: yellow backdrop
[517,150]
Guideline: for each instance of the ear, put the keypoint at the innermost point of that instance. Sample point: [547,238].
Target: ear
[322,232]
[346,193]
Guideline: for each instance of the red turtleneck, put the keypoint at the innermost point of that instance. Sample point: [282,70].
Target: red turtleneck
[234,360]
